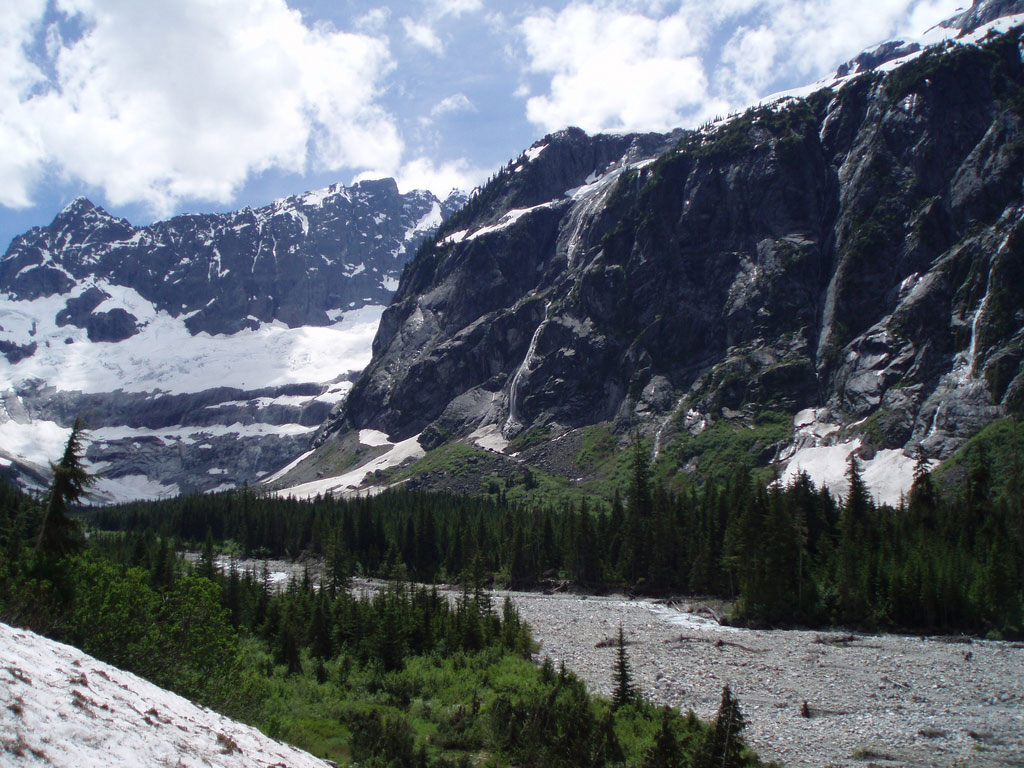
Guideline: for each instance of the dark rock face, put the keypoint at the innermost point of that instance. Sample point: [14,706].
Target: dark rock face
[115,325]
[861,250]
[293,261]
[77,311]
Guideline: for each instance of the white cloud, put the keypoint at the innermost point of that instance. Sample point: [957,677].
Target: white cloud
[423,173]
[613,68]
[20,164]
[373,20]
[457,102]
[162,101]
[456,7]
[635,65]
[423,35]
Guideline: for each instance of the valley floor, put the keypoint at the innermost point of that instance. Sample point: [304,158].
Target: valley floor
[878,699]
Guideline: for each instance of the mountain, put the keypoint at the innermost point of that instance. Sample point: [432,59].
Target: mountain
[835,271]
[64,709]
[204,350]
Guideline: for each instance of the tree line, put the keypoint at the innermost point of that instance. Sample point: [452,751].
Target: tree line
[785,555]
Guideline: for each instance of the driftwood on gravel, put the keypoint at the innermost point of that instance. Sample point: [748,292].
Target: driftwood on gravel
[555,586]
[612,642]
[843,640]
[717,643]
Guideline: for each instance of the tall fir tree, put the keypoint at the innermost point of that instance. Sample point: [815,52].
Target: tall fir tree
[59,535]
[625,690]
[722,746]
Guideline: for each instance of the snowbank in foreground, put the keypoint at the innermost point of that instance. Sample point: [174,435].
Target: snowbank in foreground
[62,708]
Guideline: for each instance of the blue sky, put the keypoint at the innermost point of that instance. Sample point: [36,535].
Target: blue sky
[167,106]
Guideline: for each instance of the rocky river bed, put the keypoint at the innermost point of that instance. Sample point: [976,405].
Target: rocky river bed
[871,699]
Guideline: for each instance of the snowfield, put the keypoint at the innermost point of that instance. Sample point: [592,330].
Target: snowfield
[164,356]
[64,709]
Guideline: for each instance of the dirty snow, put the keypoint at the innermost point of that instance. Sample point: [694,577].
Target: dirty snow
[888,475]
[489,438]
[373,437]
[64,709]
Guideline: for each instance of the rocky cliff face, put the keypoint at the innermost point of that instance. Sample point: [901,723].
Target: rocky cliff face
[853,261]
[204,350]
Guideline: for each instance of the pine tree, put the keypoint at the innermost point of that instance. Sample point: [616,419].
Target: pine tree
[639,510]
[59,535]
[625,690]
[319,631]
[207,560]
[722,746]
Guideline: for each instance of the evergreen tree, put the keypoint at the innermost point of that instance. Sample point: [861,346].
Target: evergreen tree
[722,746]
[59,535]
[625,690]
[207,562]
[607,749]
[286,651]
[319,636]
[639,509]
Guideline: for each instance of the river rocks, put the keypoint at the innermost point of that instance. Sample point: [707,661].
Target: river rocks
[887,699]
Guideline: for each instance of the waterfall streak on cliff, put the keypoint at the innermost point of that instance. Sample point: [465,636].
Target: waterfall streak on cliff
[966,360]
[590,200]
[664,423]
[513,422]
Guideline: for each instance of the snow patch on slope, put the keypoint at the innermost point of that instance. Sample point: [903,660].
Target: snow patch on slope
[109,490]
[348,484]
[489,438]
[432,219]
[38,442]
[888,475]
[65,709]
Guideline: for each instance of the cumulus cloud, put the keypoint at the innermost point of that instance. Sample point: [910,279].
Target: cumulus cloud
[19,137]
[807,39]
[161,101]
[457,102]
[423,35]
[612,68]
[456,7]
[373,20]
[422,32]
[636,65]
[424,173]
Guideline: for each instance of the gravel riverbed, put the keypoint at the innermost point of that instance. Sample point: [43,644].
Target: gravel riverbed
[872,699]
